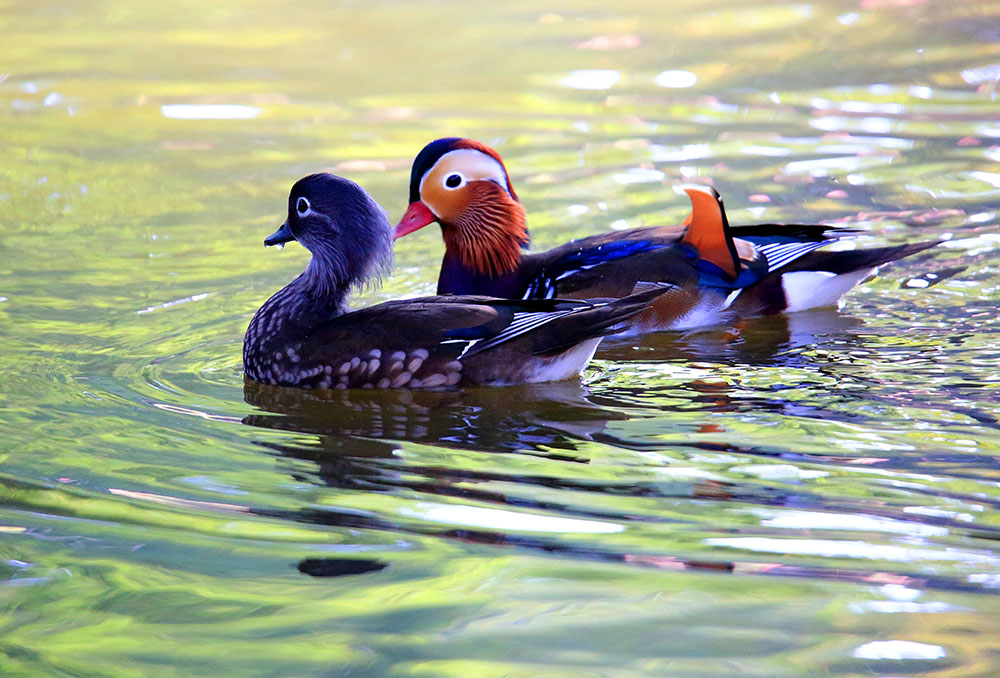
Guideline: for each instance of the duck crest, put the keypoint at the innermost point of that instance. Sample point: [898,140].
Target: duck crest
[490,233]
[708,231]
[483,148]
[433,151]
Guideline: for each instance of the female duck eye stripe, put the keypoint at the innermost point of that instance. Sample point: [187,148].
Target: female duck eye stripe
[302,206]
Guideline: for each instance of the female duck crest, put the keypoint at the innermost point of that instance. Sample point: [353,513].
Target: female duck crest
[489,234]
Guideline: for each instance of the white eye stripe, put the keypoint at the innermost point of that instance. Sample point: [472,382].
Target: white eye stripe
[302,206]
[475,166]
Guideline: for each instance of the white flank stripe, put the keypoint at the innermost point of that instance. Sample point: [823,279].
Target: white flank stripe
[566,274]
[522,323]
[782,254]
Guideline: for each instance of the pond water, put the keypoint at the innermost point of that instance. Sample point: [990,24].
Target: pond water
[812,495]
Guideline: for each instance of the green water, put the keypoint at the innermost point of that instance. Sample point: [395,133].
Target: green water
[814,495]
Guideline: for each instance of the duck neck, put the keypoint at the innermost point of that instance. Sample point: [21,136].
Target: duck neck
[458,278]
[317,295]
[488,235]
[323,284]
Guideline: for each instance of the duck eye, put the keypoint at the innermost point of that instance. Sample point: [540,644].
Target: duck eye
[302,206]
[454,180]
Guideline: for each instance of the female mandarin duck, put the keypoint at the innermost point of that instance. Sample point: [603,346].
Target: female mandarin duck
[719,272]
[305,336]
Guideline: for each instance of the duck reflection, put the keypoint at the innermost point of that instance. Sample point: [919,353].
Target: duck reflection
[774,340]
[516,418]
[353,439]
[355,432]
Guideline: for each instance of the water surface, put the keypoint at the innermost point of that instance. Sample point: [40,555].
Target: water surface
[811,495]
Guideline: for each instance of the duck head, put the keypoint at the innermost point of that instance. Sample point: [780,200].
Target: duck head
[463,185]
[346,231]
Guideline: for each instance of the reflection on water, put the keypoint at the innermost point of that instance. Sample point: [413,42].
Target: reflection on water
[816,494]
[541,419]
[358,441]
[547,416]
[769,341]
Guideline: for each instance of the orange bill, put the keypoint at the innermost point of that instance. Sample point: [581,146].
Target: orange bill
[417,216]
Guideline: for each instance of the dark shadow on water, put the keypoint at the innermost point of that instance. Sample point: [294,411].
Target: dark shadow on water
[354,438]
[339,567]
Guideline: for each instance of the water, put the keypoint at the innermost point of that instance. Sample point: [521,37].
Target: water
[814,495]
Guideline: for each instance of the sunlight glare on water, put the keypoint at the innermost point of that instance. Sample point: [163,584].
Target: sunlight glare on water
[812,494]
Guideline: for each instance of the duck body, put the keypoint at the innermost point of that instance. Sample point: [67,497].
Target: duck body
[305,336]
[717,272]
[784,272]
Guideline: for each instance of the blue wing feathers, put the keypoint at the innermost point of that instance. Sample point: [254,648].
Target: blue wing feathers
[611,251]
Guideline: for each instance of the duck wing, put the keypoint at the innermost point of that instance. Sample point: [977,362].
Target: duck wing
[442,341]
[609,264]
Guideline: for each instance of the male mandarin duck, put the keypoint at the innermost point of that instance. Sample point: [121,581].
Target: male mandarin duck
[719,272]
[305,336]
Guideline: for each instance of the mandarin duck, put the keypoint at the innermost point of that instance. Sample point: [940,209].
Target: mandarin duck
[718,272]
[305,335]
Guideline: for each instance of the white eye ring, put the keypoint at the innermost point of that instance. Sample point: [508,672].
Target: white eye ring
[454,181]
[302,206]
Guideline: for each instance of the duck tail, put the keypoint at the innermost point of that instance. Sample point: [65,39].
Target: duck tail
[848,261]
[822,278]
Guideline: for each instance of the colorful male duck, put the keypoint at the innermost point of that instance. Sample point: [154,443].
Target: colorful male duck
[305,336]
[720,272]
